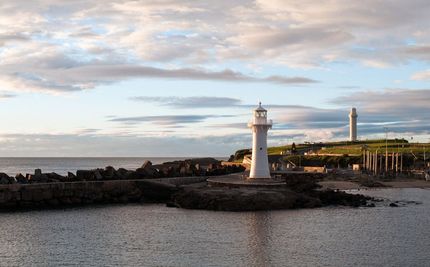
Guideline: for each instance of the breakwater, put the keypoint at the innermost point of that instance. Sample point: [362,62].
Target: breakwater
[149,183]
[52,195]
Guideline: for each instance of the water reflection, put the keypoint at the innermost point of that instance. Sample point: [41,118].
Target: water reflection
[259,237]
[153,235]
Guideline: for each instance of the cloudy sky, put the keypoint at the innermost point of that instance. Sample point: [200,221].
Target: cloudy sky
[180,78]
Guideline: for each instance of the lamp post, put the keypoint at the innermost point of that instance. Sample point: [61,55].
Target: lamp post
[386,149]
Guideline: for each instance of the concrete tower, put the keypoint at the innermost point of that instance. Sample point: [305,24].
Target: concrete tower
[259,125]
[353,125]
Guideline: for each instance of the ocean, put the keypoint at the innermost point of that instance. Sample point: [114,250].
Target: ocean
[12,166]
[154,235]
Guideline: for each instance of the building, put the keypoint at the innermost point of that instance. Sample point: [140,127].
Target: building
[259,125]
[353,125]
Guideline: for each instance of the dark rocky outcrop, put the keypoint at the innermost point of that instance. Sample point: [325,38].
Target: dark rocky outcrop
[242,199]
[370,182]
[340,198]
[21,179]
[298,193]
[5,179]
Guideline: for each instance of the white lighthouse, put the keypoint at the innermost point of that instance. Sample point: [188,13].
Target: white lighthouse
[353,125]
[259,125]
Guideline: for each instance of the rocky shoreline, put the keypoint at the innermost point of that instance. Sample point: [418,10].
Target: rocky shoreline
[182,168]
[179,184]
[299,192]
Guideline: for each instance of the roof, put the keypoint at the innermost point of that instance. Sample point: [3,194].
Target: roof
[260,108]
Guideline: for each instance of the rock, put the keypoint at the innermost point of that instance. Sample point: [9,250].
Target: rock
[88,175]
[242,199]
[330,197]
[97,175]
[71,176]
[301,183]
[37,172]
[392,204]
[12,180]
[4,175]
[56,177]
[251,199]
[6,179]
[122,173]
[147,170]
[146,164]
[109,173]
[21,179]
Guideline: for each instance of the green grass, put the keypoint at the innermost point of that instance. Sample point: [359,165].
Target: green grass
[346,147]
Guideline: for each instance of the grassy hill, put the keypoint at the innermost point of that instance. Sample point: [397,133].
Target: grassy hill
[349,148]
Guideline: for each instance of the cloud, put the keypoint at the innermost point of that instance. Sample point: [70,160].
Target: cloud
[57,78]
[206,102]
[236,125]
[191,102]
[116,40]
[389,101]
[96,145]
[6,96]
[421,76]
[401,110]
[14,37]
[168,119]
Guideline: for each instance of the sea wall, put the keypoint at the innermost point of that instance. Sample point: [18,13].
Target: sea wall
[46,195]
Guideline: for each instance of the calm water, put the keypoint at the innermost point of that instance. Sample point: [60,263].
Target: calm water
[13,166]
[153,235]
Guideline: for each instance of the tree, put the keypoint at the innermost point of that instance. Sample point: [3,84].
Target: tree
[293,148]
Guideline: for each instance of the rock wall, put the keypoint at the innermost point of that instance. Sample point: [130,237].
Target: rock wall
[51,195]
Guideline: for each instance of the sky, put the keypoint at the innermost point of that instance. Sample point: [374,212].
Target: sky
[181,78]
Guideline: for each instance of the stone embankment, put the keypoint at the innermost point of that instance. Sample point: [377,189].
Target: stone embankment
[52,195]
[150,183]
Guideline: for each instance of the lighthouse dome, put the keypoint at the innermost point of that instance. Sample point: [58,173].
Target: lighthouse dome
[260,108]
[260,112]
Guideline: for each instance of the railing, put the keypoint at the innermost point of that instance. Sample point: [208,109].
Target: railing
[258,121]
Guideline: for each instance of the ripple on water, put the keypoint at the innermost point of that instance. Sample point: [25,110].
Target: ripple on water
[153,235]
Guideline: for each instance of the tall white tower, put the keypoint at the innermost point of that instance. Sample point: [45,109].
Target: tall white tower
[353,125]
[259,125]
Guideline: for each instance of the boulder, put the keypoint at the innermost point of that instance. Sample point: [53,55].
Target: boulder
[89,175]
[109,173]
[43,178]
[4,178]
[21,178]
[146,164]
[37,172]
[71,176]
[85,175]
[55,177]
[147,169]
[122,173]
[97,175]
